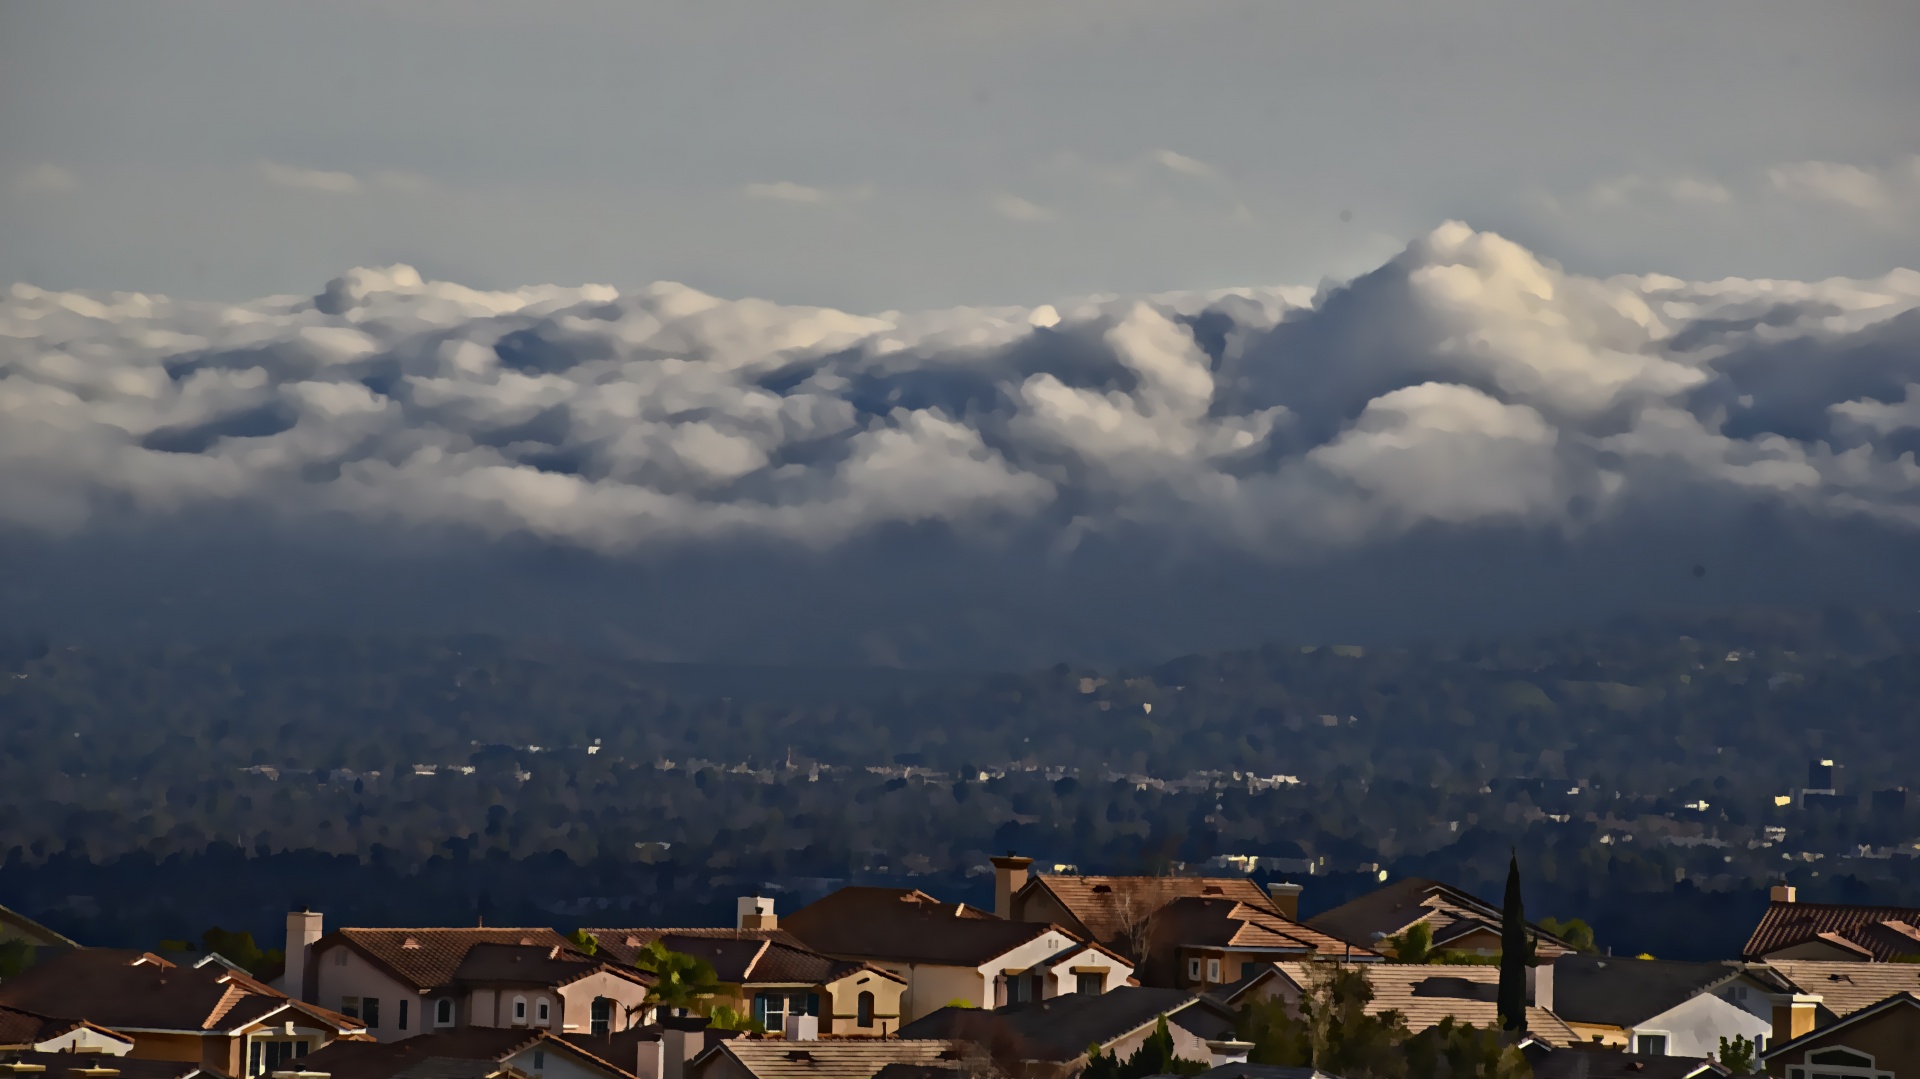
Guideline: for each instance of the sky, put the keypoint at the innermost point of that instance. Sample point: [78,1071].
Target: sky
[953,335]
[874,156]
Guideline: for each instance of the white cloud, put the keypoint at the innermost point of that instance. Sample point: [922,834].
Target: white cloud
[44,178]
[1014,208]
[300,179]
[1683,189]
[1866,189]
[1181,163]
[785,191]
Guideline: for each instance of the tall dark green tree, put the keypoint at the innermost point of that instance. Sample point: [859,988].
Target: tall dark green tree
[1513,954]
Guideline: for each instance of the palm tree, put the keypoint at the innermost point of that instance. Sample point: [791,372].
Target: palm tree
[682,982]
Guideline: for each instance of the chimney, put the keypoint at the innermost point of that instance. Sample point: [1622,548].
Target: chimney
[803,1028]
[1222,1053]
[1009,876]
[1287,898]
[1793,1016]
[650,1058]
[1782,893]
[755,912]
[682,1037]
[303,930]
[1540,985]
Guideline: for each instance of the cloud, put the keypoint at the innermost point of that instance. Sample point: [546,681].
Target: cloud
[1181,163]
[1015,208]
[1681,189]
[44,178]
[785,191]
[1851,186]
[1465,389]
[299,179]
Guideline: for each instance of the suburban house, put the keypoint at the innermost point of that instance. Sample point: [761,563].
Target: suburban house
[1662,1007]
[219,1019]
[773,976]
[950,952]
[1460,922]
[1057,1033]
[838,1058]
[1206,942]
[36,1033]
[1880,1041]
[1845,987]
[1424,995]
[1839,931]
[402,983]
[475,1052]
[1600,1062]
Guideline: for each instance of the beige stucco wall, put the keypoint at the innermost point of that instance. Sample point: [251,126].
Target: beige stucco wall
[840,1005]
[355,977]
[575,1012]
[84,1040]
[931,987]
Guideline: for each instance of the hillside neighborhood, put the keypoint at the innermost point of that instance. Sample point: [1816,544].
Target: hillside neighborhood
[1067,974]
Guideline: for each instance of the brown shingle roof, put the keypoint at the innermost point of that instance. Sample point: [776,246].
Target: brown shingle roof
[1845,988]
[430,958]
[1201,922]
[901,924]
[1424,995]
[1107,908]
[1879,933]
[852,1058]
[127,990]
[1451,912]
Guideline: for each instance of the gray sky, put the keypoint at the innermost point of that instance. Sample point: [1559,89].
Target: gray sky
[872,155]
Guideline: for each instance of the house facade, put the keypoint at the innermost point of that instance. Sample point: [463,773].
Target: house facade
[1458,920]
[1662,1007]
[1877,1042]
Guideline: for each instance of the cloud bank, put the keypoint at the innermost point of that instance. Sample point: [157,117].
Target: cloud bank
[1465,393]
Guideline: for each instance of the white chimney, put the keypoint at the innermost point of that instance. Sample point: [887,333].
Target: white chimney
[803,1028]
[1228,1052]
[1540,985]
[755,912]
[303,931]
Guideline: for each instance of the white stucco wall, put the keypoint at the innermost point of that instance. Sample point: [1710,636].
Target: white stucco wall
[84,1040]
[355,977]
[554,1064]
[1694,1029]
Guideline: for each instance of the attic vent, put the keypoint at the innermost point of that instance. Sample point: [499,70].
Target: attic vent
[409,943]
[800,1054]
[949,1054]
[1103,888]
[633,942]
[1212,889]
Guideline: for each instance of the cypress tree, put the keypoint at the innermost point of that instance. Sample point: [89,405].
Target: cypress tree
[1513,954]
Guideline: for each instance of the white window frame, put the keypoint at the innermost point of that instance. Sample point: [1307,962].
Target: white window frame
[542,1011]
[519,1012]
[1193,968]
[1213,971]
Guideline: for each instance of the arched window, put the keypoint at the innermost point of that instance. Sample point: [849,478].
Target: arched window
[542,1011]
[443,1012]
[519,1009]
[602,1016]
[863,1009]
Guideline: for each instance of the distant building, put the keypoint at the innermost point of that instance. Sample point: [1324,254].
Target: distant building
[1820,777]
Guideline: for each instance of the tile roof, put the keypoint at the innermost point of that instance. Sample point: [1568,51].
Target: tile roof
[1108,907]
[1844,987]
[1623,992]
[1061,1028]
[1878,933]
[423,1054]
[738,956]
[129,990]
[850,1058]
[534,964]
[430,958]
[1424,995]
[1212,922]
[621,945]
[95,1066]
[907,925]
[22,1029]
[1451,912]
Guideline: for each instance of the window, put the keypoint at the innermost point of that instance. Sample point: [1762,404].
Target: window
[1651,1044]
[1019,990]
[1213,970]
[519,1009]
[402,1024]
[863,1009]
[269,1054]
[339,957]
[542,1011]
[370,1011]
[443,1012]
[602,1016]
[1193,969]
[770,1009]
[350,1006]
[1091,984]
[539,1058]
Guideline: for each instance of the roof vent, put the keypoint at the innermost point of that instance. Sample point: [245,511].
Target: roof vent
[800,1054]
[1103,888]
[409,943]
[526,940]
[1212,889]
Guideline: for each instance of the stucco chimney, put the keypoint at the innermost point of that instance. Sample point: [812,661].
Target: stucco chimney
[1009,876]
[1287,898]
[303,930]
[1540,985]
[682,1038]
[755,912]
[1225,1052]
[1782,893]
[1793,1016]
[802,1028]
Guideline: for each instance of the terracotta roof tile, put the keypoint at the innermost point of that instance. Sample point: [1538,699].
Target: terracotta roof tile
[127,989]
[901,924]
[1107,907]
[1424,995]
[738,956]
[1845,988]
[1879,933]
[1200,922]
[430,958]
[853,1058]
[1061,1028]
[489,1045]
[1451,912]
